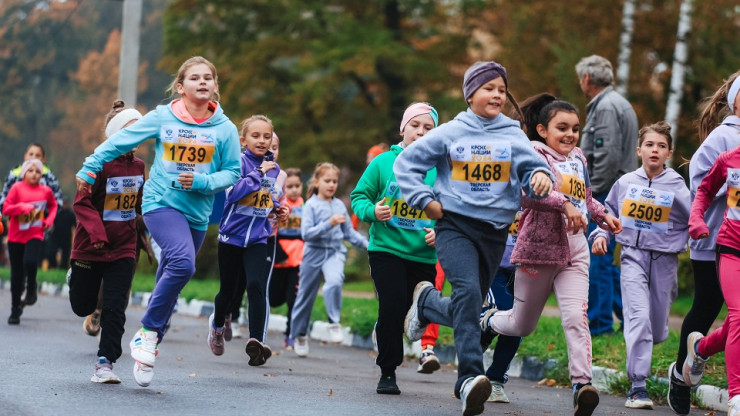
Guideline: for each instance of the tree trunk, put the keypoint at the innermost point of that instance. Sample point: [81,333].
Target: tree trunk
[625,46]
[680,56]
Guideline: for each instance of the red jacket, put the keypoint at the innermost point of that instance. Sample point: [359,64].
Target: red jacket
[26,206]
[108,213]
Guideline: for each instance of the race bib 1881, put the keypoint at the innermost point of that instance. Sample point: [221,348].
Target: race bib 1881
[646,209]
[480,168]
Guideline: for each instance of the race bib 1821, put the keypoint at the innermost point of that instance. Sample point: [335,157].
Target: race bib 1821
[121,193]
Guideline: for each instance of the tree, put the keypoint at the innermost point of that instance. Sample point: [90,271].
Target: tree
[680,58]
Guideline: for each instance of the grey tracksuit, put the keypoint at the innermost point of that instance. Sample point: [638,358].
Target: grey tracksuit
[649,259]
[323,253]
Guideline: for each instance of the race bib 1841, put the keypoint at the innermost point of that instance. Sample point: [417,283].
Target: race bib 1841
[480,168]
[404,216]
[121,193]
[187,149]
[646,209]
[258,203]
[733,194]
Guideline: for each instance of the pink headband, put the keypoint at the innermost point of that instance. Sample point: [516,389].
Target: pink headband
[418,109]
[27,165]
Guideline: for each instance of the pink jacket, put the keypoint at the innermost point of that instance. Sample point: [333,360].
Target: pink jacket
[542,232]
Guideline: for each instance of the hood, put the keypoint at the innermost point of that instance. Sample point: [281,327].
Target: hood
[396,149]
[552,153]
[732,120]
[498,124]
[178,109]
[668,176]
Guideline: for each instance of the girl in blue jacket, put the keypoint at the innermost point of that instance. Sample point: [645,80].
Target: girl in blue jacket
[242,239]
[196,154]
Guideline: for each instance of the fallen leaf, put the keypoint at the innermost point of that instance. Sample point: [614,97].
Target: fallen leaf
[550,347]
[179,358]
[269,375]
[551,382]
[160,392]
[331,392]
[193,375]
[541,382]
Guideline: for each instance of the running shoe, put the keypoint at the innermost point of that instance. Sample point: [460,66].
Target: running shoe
[301,346]
[498,395]
[585,399]
[693,366]
[428,361]
[228,334]
[387,385]
[144,351]
[733,406]
[335,333]
[31,294]
[638,398]
[679,393]
[104,372]
[412,325]
[215,338]
[473,395]
[91,325]
[257,352]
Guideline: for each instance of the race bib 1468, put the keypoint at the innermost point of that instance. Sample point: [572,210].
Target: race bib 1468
[480,168]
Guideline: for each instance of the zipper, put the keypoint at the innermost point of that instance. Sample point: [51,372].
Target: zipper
[637,242]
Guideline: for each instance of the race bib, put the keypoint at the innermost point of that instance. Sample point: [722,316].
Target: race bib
[292,226]
[733,194]
[33,219]
[258,203]
[480,168]
[187,149]
[646,209]
[514,230]
[121,193]
[574,183]
[404,216]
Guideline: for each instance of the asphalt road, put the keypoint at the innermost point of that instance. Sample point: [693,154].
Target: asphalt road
[46,363]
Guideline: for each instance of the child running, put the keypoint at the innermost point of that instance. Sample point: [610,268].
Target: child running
[551,246]
[483,161]
[242,240]
[25,206]
[654,205]
[719,131]
[401,249]
[725,171]
[284,280]
[196,154]
[105,245]
[325,224]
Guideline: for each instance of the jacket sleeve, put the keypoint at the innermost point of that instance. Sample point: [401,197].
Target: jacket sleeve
[12,207]
[708,188]
[529,162]
[351,235]
[51,207]
[229,171]
[702,161]
[89,217]
[120,143]
[53,183]
[412,164]
[310,229]
[367,193]
[9,181]
[251,182]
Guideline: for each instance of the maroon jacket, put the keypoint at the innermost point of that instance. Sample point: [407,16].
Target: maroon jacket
[108,214]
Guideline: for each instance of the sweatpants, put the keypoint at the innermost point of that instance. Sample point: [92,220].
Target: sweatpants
[284,289]
[705,308]
[470,252]
[727,337]
[395,279]
[316,261]
[180,243]
[429,338]
[533,284]
[85,283]
[231,261]
[649,278]
[24,263]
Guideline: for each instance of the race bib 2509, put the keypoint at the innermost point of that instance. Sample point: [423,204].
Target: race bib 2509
[646,209]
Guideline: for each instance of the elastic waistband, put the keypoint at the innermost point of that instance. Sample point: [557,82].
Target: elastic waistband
[727,250]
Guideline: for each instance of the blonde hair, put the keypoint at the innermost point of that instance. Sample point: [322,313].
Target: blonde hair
[715,108]
[180,76]
[252,119]
[322,167]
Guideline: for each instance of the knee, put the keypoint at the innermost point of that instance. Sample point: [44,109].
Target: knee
[181,266]
[82,308]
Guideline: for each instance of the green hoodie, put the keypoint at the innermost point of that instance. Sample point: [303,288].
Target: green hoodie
[403,235]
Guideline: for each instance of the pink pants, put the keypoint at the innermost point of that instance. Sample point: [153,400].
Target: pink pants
[727,337]
[532,286]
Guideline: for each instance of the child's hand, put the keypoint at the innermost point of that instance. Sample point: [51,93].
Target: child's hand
[434,210]
[382,211]
[186,180]
[268,165]
[83,187]
[337,219]
[282,213]
[614,224]
[430,236]
[541,184]
[599,246]
[575,219]
[699,230]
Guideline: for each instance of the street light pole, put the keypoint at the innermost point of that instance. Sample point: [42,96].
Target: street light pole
[129,65]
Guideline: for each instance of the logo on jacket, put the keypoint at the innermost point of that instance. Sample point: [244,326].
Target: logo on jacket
[223,238]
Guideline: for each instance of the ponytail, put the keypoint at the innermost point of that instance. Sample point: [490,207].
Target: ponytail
[714,108]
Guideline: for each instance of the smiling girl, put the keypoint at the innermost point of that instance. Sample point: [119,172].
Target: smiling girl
[551,251]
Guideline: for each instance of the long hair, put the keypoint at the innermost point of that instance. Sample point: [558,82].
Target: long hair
[322,167]
[714,108]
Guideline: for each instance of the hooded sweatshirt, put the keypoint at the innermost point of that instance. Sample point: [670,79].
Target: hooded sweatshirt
[209,150]
[724,137]
[248,204]
[481,166]
[26,207]
[108,213]
[654,212]
[403,235]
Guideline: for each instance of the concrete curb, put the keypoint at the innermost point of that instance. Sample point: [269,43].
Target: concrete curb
[529,368]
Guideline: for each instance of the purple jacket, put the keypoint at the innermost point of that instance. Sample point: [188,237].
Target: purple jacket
[248,203]
[542,232]
[672,241]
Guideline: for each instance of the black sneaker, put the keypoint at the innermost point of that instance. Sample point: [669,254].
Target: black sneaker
[585,399]
[15,316]
[679,393]
[31,295]
[387,385]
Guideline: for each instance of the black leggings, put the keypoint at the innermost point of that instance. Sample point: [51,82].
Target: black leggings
[284,289]
[24,262]
[708,301]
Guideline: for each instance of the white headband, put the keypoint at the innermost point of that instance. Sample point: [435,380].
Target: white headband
[732,94]
[120,120]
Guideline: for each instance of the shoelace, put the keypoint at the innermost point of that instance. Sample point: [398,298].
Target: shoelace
[698,366]
[148,345]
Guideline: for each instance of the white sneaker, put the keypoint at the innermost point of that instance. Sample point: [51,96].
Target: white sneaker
[335,333]
[236,330]
[104,372]
[473,394]
[733,406]
[301,346]
[428,361]
[412,325]
[498,395]
[143,374]
[144,351]
[693,366]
